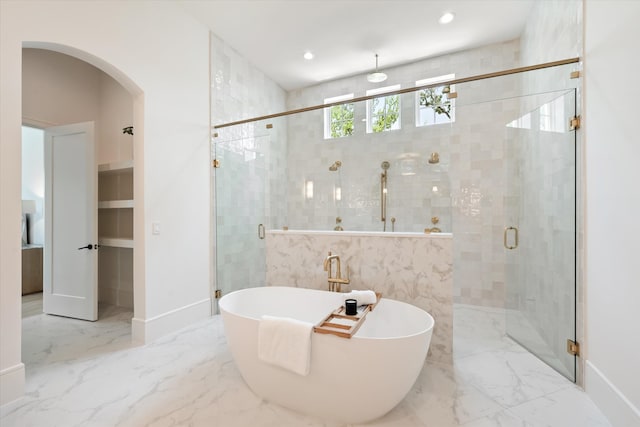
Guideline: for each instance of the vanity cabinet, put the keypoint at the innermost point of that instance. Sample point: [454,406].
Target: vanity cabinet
[31,269]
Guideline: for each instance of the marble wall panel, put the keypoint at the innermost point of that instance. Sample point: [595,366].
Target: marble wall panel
[414,268]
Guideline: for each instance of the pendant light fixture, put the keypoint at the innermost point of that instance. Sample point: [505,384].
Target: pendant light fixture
[376,76]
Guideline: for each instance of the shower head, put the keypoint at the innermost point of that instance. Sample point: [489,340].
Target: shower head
[385,165]
[334,167]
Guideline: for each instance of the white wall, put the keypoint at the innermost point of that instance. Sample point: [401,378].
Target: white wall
[116,112]
[611,93]
[58,89]
[161,56]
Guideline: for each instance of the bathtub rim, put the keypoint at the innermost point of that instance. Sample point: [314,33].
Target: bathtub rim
[428,330]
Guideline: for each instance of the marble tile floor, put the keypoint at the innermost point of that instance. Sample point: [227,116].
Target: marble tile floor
[89,374]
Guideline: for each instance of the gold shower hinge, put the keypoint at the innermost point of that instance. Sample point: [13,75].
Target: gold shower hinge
[217,294]
[573,348]
[215,163]
[574,74]
[574,123]
[452,95]
[269,126]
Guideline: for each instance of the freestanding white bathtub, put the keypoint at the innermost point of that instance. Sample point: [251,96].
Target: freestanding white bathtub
[350,380]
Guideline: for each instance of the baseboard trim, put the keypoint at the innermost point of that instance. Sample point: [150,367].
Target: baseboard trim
[145,331]
[611,401]
[12,381]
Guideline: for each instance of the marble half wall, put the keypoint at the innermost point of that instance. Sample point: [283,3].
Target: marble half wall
[414,268]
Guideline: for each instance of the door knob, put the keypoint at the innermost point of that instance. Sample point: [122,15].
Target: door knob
[89,246]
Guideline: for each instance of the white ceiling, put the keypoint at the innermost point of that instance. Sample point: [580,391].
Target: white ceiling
[344,35]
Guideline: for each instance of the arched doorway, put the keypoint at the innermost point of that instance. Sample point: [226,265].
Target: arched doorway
[116,160]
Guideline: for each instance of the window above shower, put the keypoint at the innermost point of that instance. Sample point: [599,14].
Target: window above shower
[432,106]
[338,119]
[383,113]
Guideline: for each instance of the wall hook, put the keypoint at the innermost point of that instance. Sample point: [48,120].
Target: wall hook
[128,129]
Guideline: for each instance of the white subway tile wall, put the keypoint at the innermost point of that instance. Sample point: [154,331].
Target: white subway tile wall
[465,190]
[247,184]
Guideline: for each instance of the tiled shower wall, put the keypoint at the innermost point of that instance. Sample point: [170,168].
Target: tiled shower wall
[252,165]
[469,177]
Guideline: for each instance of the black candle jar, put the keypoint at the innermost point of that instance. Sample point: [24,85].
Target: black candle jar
[351,307]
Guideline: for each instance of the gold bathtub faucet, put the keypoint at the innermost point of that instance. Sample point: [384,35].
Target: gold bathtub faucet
[335,283]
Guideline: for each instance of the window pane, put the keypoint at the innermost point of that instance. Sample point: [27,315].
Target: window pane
[434,107]
[338,119]
[385,113]
[341,120]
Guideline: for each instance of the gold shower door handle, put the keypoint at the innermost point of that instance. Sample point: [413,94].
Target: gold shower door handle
[260,231]
[383,197]
[506,231]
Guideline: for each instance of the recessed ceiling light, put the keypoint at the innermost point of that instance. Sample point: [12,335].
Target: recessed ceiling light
[446,17]
[308,55]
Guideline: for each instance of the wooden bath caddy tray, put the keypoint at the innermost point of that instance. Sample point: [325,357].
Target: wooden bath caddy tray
[339,324]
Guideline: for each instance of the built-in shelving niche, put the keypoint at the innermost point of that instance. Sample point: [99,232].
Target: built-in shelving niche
[115,233]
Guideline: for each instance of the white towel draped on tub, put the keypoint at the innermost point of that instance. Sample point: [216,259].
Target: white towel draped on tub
[286,343]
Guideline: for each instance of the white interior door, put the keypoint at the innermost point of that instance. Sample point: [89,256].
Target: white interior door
[71,226]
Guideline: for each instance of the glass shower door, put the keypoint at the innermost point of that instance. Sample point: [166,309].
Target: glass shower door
[239,185]
[540,229]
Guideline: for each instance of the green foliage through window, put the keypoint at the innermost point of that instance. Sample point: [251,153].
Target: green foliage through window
[341,120]
[435,99]
[385,112]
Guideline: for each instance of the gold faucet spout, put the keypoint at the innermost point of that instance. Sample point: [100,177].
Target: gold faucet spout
[327,262]
[334,282]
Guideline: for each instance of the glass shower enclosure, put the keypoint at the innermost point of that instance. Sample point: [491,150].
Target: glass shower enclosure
[240,208]
[499,173]
[249,195]
[540,230]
